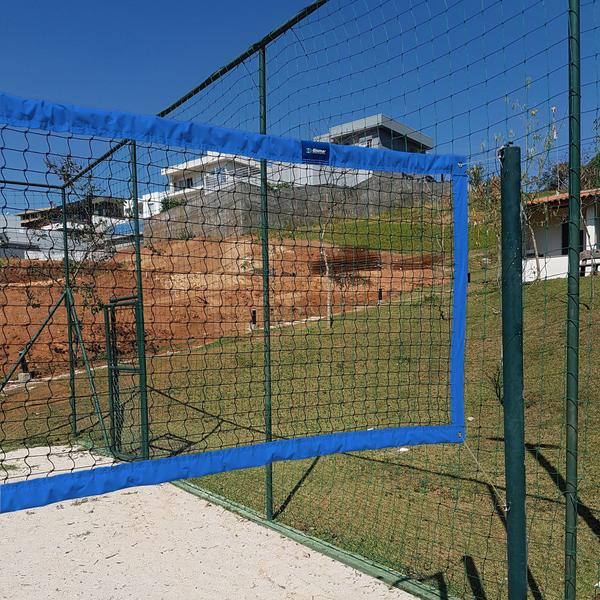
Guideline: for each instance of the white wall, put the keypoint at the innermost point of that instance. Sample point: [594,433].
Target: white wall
[552,263]
[150,204]
[548,235]
[551,267]
[590,221]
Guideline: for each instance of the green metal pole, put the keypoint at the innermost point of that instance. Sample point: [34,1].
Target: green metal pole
[512,371]
[572,383]
[89,370]
[69,309]
[110,366]
[139,310]
[264,212]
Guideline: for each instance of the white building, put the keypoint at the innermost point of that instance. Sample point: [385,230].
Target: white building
[38,244]
[548,217]
[101,212]
[92,225]
[378,131]
[214,171]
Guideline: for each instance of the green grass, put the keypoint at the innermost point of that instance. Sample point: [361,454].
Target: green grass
[424,511]
[400,230]
[432,512]
[323,381]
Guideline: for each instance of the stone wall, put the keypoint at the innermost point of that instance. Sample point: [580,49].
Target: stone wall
[235,210]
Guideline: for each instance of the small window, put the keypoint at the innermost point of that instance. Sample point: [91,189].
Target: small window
[182,184]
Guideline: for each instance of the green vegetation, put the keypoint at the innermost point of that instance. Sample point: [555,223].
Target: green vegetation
[167,203]
[435,513]
[556,177]
[427,509]
[400,230]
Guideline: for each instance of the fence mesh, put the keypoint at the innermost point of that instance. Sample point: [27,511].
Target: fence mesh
[469,77]
[330,310]
[472,77]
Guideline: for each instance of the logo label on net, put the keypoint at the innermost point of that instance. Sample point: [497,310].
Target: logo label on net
[315,153]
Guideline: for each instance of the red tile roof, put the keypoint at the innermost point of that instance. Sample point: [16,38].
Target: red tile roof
[559,198]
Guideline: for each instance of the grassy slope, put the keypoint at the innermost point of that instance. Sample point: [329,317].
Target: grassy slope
[426,509]
[432,511]
[400,230]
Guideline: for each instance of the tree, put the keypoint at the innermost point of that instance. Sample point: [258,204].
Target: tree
[555,178]
[590,173]
[167,203]
[87,233]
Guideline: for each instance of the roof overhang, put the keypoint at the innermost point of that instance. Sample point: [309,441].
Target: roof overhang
[562,199]
[200,165]
[379,120]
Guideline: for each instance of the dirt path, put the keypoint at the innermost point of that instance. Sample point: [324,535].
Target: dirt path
[161,542]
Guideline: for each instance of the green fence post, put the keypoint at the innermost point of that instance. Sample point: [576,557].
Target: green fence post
[69,309]
[512,371]
[572,382]
[139,311]
[110,369]
[264,219]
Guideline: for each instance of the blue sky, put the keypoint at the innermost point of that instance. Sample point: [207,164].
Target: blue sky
[134,55]
[470,73]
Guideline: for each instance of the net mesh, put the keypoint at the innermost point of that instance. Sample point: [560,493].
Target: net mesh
[355,270]
[471,76]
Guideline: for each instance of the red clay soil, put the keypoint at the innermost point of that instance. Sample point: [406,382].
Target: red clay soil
[196,291]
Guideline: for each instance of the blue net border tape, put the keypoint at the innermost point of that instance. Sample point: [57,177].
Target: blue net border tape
[49,116]
[101,480]
[116,126]
[459,299]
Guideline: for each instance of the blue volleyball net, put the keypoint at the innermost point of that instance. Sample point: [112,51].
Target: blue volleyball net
[182,300]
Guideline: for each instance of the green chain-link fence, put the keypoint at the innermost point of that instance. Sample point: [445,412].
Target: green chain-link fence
[473,76]
[452,77]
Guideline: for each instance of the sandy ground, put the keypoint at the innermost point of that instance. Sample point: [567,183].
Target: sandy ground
[162,542]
